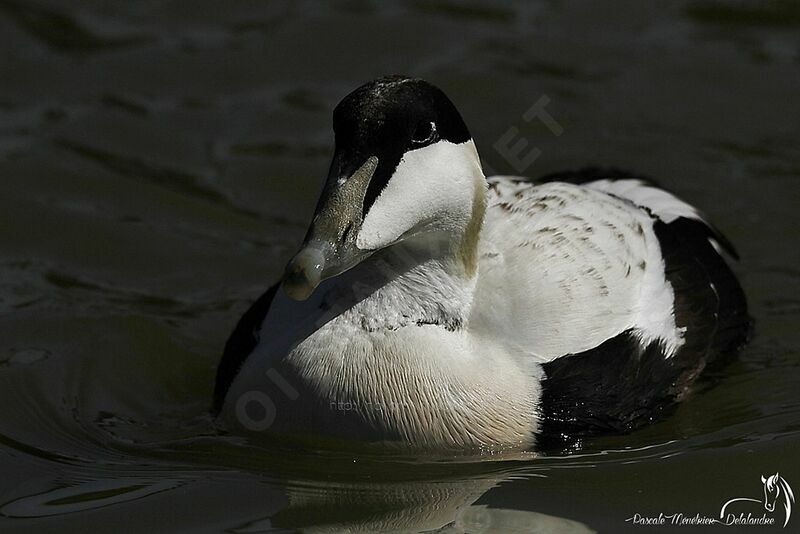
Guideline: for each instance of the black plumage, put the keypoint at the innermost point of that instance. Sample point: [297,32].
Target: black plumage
[622,384]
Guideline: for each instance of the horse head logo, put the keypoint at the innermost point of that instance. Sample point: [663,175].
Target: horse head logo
[775,489]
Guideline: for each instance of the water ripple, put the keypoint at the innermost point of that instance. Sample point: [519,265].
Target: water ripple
[62,32]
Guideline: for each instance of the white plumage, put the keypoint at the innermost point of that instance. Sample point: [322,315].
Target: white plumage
[566,267]
[438,298]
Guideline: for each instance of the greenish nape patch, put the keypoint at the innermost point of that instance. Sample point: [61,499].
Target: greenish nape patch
[468,249]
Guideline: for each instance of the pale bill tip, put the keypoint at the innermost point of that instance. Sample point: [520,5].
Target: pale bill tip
[304,273]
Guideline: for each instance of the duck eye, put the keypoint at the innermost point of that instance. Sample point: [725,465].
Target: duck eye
[424,133]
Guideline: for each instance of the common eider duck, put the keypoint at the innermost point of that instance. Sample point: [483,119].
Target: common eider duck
[432,308]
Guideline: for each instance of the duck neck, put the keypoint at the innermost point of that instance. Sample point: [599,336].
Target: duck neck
[426,279]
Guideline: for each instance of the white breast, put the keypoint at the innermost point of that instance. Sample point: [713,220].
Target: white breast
[366,368]
[419,353]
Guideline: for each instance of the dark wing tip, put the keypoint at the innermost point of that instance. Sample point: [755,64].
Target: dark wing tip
[719,238]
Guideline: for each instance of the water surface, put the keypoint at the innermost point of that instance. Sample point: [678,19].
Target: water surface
[159,161]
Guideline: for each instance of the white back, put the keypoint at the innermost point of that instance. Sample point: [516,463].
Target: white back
[563,268]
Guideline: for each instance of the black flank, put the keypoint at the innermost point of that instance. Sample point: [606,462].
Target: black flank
[613,388]
[240,344]
[621,385]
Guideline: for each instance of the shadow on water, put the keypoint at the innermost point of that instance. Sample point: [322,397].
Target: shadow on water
[328,489]
[315,490]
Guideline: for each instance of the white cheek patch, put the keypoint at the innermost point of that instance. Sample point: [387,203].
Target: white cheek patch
[432,187]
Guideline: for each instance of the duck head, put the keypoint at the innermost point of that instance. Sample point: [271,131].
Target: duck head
[404,166]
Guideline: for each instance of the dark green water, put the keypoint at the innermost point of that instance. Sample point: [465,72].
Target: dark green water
[159,161]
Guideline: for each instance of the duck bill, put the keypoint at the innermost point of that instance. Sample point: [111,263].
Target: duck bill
[330,246]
